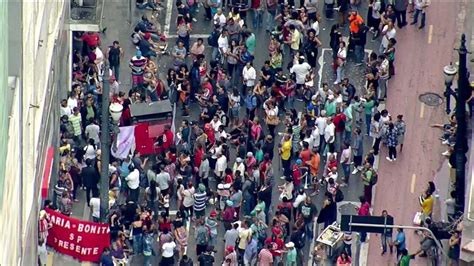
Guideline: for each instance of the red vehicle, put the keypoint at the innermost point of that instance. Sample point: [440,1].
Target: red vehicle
[150,120]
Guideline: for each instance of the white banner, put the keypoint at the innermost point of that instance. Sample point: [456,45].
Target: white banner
[125,142]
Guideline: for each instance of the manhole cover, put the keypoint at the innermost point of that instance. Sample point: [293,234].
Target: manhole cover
[431,99]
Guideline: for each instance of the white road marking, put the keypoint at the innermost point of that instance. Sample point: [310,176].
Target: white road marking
[422,110]
[430,34]
[413,182]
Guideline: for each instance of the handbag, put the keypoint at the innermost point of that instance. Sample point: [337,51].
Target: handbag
[417,218]
[272,120]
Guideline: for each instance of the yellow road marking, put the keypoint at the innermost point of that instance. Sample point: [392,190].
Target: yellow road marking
[430,34]
[422,110]
[413,181]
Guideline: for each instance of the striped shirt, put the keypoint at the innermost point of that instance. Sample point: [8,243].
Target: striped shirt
[76,124]
[200,199]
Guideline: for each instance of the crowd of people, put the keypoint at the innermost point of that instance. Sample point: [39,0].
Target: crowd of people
[220,170]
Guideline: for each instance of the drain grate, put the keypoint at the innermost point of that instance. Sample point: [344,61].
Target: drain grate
[431,99]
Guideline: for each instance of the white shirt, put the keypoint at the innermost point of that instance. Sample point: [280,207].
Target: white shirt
[300,198]
[236,100]
[249,75]
[95,206]
[133,179]
[188,199]
[321,122]
[301,71]
[240,167]
[223,43]
[221,164]
[376,9]
[329,132]
[168,249]
[71,103]
[220,20]
[92,132]
[89,152]
[389,34]
[65,111]
[420,4]
[346,154]
[215,125]
[315,27]
[316,136]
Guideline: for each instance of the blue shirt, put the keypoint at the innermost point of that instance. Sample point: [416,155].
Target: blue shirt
[251,102]
[251,250]
[400,240]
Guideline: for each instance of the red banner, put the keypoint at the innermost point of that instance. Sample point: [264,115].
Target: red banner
[82,240]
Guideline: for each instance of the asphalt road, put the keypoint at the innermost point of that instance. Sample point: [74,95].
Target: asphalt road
[115,18]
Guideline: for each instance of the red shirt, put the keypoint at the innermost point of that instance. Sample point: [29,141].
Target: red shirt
[210,135]
[167,139]
[305,156]
[229,179]
[255,4]
[91,39]
[277,245]
[364,209]
[296,175]
[338,122]
[198,157]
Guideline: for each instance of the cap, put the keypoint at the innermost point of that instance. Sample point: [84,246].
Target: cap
[314,97]
[238,159]
[258,208]
[227,186]
[138,53]
[220,186]
[290,245]
[147,36]
[230,248]
[229,203]
[299,162]
[202,187]
[213,213]
[249,154]
[302,57]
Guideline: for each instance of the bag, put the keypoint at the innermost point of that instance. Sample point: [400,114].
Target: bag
[201,238]
[212,39]
[374,178]
[272,120]
[417,218]
[339,195]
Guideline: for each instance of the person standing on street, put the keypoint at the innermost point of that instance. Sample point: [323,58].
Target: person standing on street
[386,236]
[90,179]
[114,54]
[392,142]
[367,179]
[420,8]
[401,129]
[400,7]
[358,149]
[346,163]
[363,210]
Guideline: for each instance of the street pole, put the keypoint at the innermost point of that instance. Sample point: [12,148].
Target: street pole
[461,131]
[105,148]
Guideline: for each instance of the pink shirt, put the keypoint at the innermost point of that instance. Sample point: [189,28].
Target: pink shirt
[265,258]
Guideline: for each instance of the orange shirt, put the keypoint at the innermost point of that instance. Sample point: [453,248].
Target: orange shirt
[314,164]
[355,22]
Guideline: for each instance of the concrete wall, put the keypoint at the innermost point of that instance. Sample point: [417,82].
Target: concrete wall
[41,45]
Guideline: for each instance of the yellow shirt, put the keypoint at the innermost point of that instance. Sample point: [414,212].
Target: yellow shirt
[244,236]
[427,205]
[295,40]
[286,150]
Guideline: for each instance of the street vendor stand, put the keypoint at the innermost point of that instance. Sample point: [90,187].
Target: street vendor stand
[150,120]
[332,238]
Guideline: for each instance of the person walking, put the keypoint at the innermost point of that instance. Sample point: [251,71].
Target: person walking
[400,7]
[401,129]
[392,142]
[114,54]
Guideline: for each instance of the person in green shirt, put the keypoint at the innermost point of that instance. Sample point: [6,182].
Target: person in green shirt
[290,254]
[366,177]
[368,106]
[330,106]
[405,258]
[250,42]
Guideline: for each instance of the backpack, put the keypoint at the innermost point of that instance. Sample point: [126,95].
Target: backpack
[212,39]
[374,178]
[300,241]
[339,195]
[201,238]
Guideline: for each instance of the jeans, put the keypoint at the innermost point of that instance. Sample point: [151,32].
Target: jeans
[347,136]
[257,18]
[339,74]
[215,53]
[270,21]
[386,240]
[359,53]
[308,230]
[137,244]
[423,17]
[382,91]
[368,119]
[346,169]
[147,260]
[116,70]
[376,146]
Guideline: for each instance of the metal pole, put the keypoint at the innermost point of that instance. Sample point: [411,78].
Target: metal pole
[130,12]
[438,244]
[447,95]
[461,141]
[105,148]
